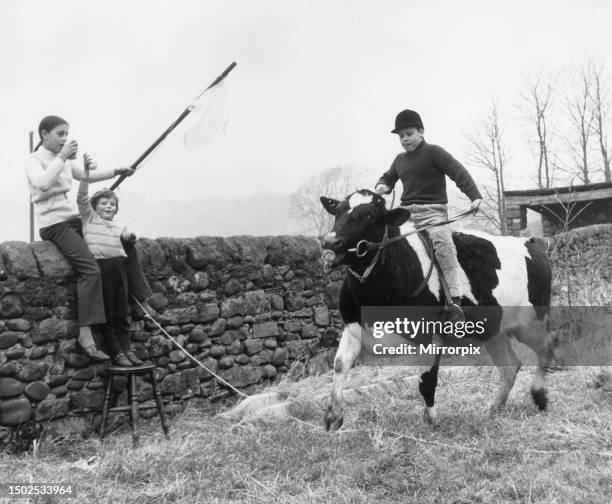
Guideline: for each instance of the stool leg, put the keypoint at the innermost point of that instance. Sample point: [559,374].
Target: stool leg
[158,400]
[106,404]
[134,408]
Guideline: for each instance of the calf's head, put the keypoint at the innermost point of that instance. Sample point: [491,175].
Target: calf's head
[360,216]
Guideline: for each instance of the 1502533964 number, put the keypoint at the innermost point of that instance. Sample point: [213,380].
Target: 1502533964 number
[25,490]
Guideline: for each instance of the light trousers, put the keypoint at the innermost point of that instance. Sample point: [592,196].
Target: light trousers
[444,247]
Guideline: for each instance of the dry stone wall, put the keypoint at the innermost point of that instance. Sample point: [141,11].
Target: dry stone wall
[247,307]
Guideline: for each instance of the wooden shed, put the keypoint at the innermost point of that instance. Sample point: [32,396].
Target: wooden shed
[560,207]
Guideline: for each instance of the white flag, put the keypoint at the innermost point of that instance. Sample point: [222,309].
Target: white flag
[212,113]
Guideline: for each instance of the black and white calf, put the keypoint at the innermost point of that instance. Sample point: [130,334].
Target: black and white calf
[510,273]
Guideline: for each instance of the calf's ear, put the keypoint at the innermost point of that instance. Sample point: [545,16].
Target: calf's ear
[396,217]
[329,204]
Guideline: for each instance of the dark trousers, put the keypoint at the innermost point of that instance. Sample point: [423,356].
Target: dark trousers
[116,331]
[137,282]
[116,336]
[68,238]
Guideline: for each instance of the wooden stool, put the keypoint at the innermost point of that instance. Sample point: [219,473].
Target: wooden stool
[132,407]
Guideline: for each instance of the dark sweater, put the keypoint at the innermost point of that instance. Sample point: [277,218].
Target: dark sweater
[423,175]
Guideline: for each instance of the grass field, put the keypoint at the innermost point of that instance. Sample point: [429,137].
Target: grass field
[384,453]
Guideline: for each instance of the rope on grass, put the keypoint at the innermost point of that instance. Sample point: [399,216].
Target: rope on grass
[148,315]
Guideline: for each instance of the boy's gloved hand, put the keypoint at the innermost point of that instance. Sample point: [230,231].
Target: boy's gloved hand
[475,205]
[382,189]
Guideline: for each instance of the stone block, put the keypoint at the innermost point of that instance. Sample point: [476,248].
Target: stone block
[57,380]
[265,330]
[197,335]
[180,315]
[15,352]
[241,376]
[50,409]
[37,390]
[211,365]
[51,261]
[8,369]
[19,324]
[10,307]
[15,411]
[217,327]
[207,312]
[10,387]
[231,307]
[84,374]
[232,286]
[293,325]
[322,317]
[201,281]
[176,356]
[310,331]
[19,260]
[293,301]
[171,384]
[87,399]
[269,371]
[53,329]
[38,353]
[8,339]
[30,372]
[277,302]
[253,346]
[279,356]
[256,302]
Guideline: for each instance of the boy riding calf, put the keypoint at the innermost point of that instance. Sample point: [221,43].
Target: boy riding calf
[423,168]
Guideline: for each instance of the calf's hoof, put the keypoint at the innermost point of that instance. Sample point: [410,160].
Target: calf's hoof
[333,421]
[540,398]
[430,415]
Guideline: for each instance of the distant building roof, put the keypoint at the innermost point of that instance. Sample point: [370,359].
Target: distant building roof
[536,197]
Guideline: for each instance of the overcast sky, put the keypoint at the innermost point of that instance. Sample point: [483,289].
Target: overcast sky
[317,84]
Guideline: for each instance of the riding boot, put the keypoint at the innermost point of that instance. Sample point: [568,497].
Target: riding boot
[454,313]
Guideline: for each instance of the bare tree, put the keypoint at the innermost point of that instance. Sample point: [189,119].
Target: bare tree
[537,103]
[581,117]
[600,97]
[335,182]
[487,149]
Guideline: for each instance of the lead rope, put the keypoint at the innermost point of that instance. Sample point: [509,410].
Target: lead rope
[148,316]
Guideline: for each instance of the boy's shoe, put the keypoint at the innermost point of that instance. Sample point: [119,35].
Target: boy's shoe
[121,360]
[94,354]
[133,358]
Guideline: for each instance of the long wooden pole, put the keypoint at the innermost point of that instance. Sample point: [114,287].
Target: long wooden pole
[31,204]
[162,137]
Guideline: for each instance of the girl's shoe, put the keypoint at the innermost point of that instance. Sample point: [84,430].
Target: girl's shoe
[92,352]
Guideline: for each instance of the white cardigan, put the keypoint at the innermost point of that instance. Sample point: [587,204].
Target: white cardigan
[50,180]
